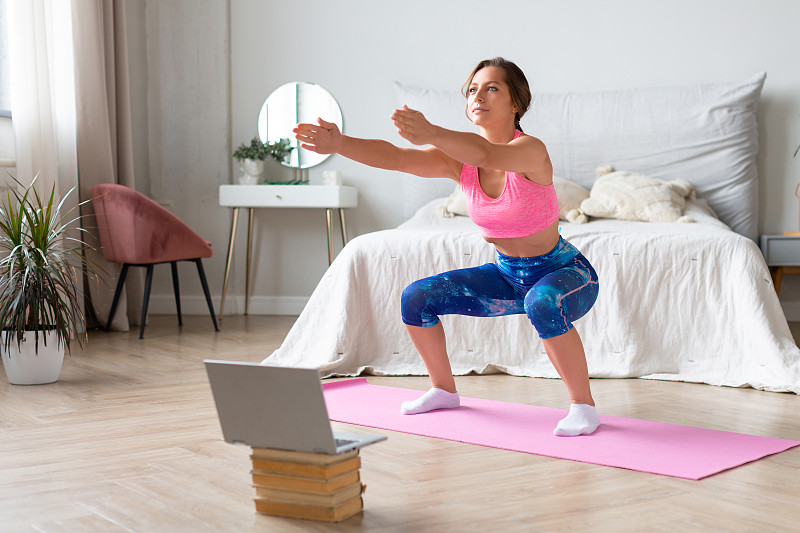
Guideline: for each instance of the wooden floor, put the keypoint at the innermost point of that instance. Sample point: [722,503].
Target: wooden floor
[128,440]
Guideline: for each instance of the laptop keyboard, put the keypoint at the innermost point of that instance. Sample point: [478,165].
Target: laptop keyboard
[342,442]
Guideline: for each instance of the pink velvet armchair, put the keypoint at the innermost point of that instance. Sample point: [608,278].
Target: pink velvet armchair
[136,231]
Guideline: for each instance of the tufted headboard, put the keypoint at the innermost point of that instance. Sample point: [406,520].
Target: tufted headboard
[705,134]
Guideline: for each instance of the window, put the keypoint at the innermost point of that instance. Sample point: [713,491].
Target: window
[5,71]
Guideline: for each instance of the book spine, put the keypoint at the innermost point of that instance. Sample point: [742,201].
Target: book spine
[268,454]
[309,498]
[280,481]
[311,512]
[307,470]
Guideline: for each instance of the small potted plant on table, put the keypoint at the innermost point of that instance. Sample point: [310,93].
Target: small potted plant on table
[251,158]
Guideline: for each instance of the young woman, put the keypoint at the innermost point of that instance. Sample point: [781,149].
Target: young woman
[507,178]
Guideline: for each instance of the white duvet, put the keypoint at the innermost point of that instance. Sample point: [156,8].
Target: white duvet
[687,302]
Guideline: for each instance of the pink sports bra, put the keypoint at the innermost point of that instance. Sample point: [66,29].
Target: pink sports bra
[522,209]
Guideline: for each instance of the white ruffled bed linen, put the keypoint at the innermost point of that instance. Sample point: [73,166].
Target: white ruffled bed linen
[686,302]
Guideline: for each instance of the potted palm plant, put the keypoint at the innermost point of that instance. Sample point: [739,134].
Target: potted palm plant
[40,297]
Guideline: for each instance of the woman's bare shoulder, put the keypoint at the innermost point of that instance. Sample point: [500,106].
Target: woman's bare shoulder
[530,140]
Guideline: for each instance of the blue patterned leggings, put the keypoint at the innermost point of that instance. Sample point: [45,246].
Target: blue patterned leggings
[553,289]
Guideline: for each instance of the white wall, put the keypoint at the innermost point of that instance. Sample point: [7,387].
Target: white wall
[356,48]
[179,57]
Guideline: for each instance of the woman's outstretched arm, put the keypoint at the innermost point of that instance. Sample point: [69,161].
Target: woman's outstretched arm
[325,138]
[525,155]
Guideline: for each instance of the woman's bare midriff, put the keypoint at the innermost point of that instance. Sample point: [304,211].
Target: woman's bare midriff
[537,244]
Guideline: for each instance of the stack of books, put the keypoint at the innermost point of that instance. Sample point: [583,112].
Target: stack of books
[314,486]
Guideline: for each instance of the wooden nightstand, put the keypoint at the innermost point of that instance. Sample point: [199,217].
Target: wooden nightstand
[782,253]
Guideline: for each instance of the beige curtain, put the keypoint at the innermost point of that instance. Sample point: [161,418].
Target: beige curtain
[104,138]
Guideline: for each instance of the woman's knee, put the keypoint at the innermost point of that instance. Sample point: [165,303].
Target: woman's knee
[414,305]
[553,306]
[543,308]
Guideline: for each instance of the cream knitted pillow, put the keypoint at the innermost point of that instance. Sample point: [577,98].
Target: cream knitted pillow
[631,196]
[570,196]
[455,204]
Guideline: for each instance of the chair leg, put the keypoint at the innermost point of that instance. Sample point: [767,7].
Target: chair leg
[148,282]
[117,292]
[202,274]
[177,289]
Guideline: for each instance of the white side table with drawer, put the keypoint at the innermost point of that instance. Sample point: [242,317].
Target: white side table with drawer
[252,197]
[782,253]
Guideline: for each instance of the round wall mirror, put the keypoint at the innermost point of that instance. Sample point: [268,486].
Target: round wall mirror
[289,105]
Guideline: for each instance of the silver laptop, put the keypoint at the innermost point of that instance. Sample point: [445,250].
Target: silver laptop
[276,407]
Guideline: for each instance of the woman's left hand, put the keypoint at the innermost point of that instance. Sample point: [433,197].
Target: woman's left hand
[413,126]
[324,138]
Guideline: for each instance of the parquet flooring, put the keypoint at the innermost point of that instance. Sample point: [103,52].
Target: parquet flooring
[128,441]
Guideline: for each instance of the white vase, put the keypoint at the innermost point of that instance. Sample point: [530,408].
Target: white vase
[25,366]
[251,171]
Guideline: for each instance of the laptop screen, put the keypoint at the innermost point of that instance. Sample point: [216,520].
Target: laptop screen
[271,407]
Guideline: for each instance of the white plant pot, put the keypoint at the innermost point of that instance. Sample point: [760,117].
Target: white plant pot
[24,366]
[251,169]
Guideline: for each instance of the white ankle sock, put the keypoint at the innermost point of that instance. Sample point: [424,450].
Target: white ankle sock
[581,420]
[433,399]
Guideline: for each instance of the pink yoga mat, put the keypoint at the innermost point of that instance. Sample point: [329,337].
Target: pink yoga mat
[666,449]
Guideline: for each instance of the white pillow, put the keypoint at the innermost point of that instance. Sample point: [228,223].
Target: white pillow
[570,195]
[631,196]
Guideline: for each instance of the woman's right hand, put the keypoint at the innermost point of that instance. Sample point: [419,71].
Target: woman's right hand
[322,138]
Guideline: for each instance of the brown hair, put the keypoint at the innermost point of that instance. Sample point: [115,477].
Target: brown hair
[515,79]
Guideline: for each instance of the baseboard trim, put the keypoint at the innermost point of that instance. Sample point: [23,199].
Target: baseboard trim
[234,305]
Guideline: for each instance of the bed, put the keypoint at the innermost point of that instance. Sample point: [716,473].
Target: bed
[678,301]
